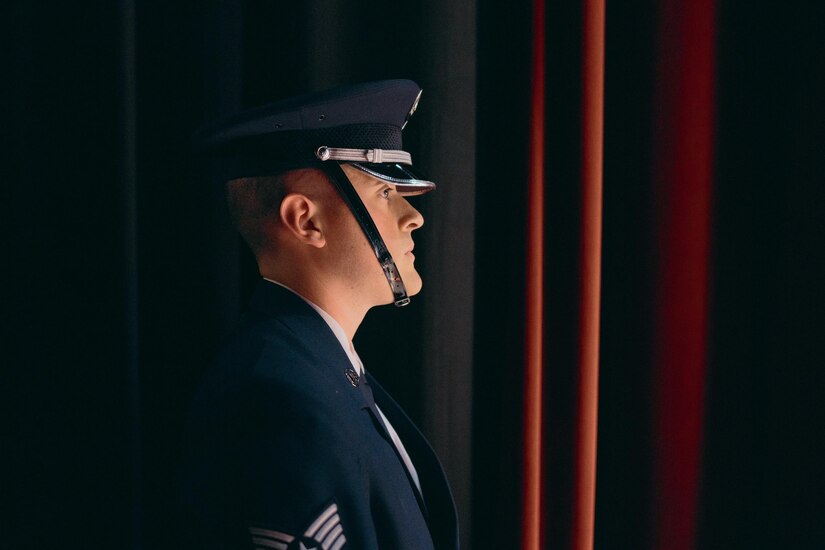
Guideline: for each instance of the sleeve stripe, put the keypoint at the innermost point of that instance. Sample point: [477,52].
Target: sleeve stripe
[327,542]
[277,535]
[269,543]
[342,540]
[333,509]
[327,527]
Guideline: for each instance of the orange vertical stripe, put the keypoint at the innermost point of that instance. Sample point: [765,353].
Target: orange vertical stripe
[685,103]
[532,534]
[584,488]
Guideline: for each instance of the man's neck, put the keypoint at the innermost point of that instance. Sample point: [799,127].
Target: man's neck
[338,303]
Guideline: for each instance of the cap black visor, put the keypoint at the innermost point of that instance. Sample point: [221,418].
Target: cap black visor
[405,178]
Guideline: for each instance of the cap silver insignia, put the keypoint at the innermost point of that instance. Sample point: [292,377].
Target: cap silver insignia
[413,108]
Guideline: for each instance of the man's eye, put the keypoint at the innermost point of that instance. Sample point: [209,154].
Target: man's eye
[385,194]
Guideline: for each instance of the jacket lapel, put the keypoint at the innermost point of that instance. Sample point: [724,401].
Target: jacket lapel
[376,416]
[442,518]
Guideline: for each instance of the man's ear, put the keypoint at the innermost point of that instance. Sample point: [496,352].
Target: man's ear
[299,214]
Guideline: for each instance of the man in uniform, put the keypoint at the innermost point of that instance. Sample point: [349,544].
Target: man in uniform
[291,444]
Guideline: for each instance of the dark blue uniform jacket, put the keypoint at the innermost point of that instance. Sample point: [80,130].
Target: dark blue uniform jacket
[284,452]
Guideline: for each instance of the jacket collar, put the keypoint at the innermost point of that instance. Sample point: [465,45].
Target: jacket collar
[273,301]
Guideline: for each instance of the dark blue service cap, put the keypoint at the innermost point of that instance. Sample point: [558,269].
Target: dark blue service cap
[359,124]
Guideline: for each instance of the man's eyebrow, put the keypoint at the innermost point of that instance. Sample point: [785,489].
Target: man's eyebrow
[376,181]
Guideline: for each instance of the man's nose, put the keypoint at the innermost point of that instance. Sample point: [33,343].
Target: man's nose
[411,219]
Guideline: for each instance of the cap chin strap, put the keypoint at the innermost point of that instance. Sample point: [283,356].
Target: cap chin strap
[341,182]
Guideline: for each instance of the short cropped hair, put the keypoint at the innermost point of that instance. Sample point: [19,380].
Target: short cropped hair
[251,202]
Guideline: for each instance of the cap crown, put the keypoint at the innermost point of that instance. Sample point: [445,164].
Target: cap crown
[286,134]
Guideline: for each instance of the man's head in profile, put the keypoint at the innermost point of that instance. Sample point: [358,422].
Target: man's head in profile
[303,235]
[318,189]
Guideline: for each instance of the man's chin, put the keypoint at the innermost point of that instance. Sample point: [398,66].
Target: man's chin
[415,286]
[413,283]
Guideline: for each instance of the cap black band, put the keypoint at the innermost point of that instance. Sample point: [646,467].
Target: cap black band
[350,195]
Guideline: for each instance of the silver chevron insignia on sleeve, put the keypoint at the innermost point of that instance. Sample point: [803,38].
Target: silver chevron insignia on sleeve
[324,533]
[263,539]
[327,530]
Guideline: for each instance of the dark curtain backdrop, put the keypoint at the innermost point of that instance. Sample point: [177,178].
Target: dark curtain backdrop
[122,273]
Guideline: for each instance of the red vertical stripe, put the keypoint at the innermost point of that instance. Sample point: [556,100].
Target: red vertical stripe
[532,535]
[684,164]
[584,489]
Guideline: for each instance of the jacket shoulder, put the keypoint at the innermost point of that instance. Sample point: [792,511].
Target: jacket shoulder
[269,433]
